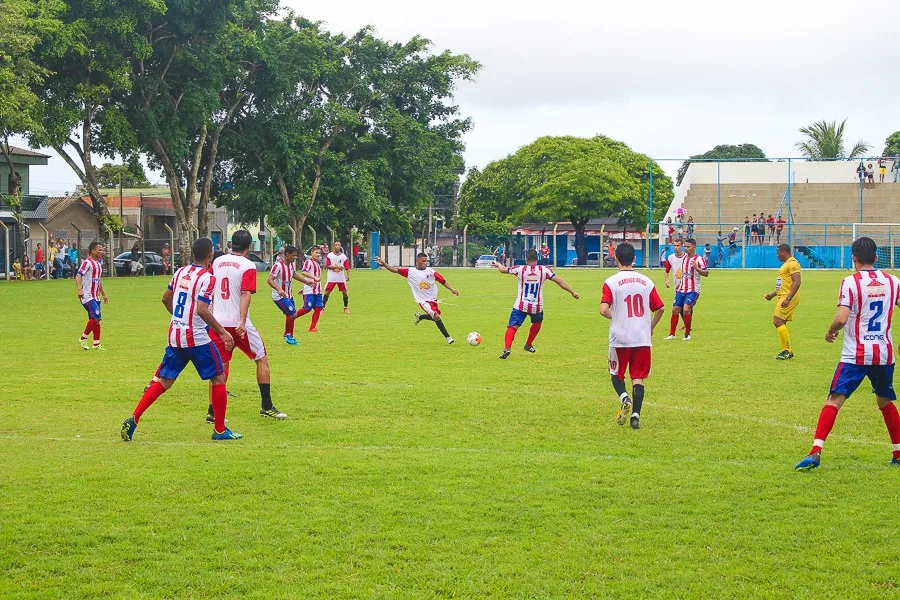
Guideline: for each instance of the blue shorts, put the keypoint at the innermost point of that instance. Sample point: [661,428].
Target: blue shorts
[206,360]
[686,298]
[311,301]
[287,306]
[848,376]
[93,309]
[517,317]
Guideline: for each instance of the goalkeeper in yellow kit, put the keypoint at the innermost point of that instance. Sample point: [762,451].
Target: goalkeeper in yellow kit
[787,291]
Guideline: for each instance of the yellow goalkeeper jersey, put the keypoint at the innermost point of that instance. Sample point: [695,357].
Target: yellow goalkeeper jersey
[783,283]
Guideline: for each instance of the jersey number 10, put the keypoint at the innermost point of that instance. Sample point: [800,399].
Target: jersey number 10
[635,306]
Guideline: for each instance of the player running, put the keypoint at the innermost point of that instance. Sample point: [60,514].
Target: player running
[423,281]
[672,264]
[338,266]
[90,289]
[187,298]
[281,279]
[312,289]
[530,301]
[865,308]
[687,293]
[627,296]
[236,283]
[788,299]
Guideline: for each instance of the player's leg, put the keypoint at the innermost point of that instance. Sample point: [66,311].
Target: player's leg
[425,315]
[290,315]
[618,363]
[516,318]
[784,337]
[308,301]
[343,288]
[690,301]
[847,378]
[210,367]
[318,307]
[537,319]
[435,315]
[328,287]
[677,307]
[639,369]
[882,378]
[172,365]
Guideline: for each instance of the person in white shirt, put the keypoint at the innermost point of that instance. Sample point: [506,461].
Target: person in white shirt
[338,266]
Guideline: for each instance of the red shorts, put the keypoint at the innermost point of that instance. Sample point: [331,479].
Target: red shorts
[430,308]
[250,344]
[340,285]
[635,360]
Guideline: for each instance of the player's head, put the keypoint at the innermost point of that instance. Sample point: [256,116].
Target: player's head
[864,252]
[422,260]
[531,257]
[690,245]
[315,253]
[336,247]
[290,253]
[678,246]
[783,251]
[625,255]
[240,241]
[95,250]
[202,251]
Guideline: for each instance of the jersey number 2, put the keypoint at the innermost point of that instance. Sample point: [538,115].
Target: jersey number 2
[226,289]
[635,306]
[877,308]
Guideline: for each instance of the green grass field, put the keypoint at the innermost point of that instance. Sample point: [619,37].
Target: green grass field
[413,469]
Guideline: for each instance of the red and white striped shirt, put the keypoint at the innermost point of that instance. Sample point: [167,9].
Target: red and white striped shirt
[690,276]
[191,285]
[312,267]
[531,287]
[871,297]
[283,273]
[90,280]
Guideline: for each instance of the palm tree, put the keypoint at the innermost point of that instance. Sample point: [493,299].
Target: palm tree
[825,141]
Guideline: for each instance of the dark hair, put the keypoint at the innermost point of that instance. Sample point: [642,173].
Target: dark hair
[217,254]
[690,241]
[201,249]
[625,254]
[531,254]
[241,240]
[91,246]
[421,255]
[784,247]
[865,250]
[290,249]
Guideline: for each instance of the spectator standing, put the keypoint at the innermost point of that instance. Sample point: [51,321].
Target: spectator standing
[135,258]
[861,173]
[73,258]
[690,227]
[779,227]
[27,268]
[670,230]
[720,247]
[870,174]
[882,168]
[761,228]
[746,230]
[707,252]
[166,257]
[754,230]
[52,251]
[732,242]
[896,169]
[59,263]
[770,224]
[545,254]
[39,261]
[679,228]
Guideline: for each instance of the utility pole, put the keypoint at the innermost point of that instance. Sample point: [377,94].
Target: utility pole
[121,212]
[430,210]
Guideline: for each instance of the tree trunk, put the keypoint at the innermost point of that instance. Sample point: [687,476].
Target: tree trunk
[580,247]
[14,189]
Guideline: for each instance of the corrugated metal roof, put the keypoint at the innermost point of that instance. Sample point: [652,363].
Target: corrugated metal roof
[16,151]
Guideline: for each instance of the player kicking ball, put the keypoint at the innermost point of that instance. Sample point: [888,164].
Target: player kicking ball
[187,298]
[281,279]
[865,308]
[423,281]
[628,300]
[530,301]
[687,293]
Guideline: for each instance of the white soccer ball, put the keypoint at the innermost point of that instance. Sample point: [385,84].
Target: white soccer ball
[474,338]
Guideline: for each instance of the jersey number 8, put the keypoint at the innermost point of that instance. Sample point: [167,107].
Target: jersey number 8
[179,305]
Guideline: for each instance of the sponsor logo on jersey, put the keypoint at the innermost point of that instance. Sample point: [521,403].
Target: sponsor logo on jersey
[424,285]
[876,289]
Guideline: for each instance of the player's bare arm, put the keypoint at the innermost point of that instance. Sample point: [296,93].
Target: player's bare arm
[605,310]
[840,320]
[274,286]
[657,315]
[167,300]
[450,288]
[380,262]
[205,312]
[78,284]
[499,267]
[703,272]
[299,277]
[667,277]
[562,283]
[241,328]
[795,287]
[103,294]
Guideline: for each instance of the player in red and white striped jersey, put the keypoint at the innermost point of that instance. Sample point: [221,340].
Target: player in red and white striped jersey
[90,288]
[312,289]
[629,299]
[187,298]
[673,265]
[865,309]
[687,293]
[281,279]
[530,299]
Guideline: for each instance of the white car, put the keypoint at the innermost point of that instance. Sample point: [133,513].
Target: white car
[485,261]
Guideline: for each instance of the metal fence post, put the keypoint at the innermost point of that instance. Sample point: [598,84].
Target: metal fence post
[466,245]
[313,232]
[649,214]
[332,234]
[293,235]
[6,246]
[78,237]
[112,266]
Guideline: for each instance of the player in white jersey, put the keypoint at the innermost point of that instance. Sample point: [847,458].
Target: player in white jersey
[530,299]
[672,264]
[90,289]
[187,298]
[312,289]
[281,279]
[687,292]
[423,281]
[865,309]
[629,299]
[338,266]
[236,284]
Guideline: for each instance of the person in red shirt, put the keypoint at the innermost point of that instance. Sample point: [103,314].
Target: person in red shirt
[545,254]
[779,227]
[39,261]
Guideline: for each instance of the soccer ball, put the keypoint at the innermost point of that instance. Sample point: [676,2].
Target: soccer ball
[474,338]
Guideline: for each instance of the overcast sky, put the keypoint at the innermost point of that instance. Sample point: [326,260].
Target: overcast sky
[670,79]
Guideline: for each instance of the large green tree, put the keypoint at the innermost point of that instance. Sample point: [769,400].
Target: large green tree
[723,151]
[128,175]
[825,141]
[567,178]
[892,144]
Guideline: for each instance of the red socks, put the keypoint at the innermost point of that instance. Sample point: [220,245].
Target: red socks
[892,420]
[315,318]
[92,327]
[220,402]
[510,336]
[688,317]
[673,323]
[153,391]
[96,332]
[289,326]
[532,332]
[824,426]
[302,312]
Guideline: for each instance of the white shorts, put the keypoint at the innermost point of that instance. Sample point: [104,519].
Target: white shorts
[250,344]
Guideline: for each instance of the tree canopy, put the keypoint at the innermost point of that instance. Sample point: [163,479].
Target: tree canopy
[892,144]
[724,151]
[825,141]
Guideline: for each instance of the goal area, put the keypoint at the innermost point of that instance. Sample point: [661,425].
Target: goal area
[887,236]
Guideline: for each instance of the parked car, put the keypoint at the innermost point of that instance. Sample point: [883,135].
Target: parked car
[594,259]
[152,264]
[261,265]
[485,261]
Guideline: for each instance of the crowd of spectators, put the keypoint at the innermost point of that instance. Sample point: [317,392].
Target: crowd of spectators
[58,261]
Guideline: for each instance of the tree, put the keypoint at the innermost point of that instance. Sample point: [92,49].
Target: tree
[129,175]
[892,144]
[568,178]
[825,141]
[723,151]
